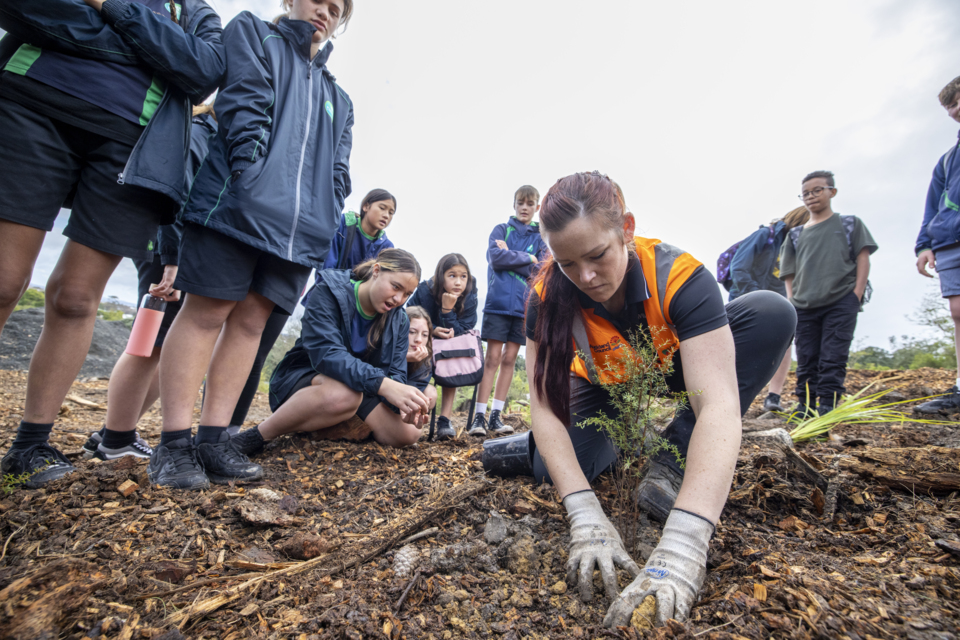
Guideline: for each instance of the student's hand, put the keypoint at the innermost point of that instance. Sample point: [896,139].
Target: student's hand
[443,333]
[924,260]
[502,245]
[96,4]
[418,354]
[404,397]
[534,258]
[448,301]
[165,289]
[673,574]
[416,418]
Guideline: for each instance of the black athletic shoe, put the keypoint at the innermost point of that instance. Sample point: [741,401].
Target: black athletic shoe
[176,465]
[824,408]
[41,462]
[225,463]
[949,402]
[498,426]
[249,442]
[801,411]
[658,490]
[444,429]
[92,448]
[772,403]
[479,426]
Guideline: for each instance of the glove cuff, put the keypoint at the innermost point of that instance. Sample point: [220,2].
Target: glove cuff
[691,531]
[580,501]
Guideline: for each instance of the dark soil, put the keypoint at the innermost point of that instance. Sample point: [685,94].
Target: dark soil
[82,560]
[22,330]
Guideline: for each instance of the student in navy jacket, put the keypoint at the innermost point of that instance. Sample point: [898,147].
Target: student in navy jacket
[420,353]
[260,217]
[450,298]
[515,250]
[350,359]
[95,110]
[756,267]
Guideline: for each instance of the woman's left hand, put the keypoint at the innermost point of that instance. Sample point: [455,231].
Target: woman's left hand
[96,4]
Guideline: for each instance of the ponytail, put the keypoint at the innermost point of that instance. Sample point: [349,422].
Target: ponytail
[391,260]
[173,12]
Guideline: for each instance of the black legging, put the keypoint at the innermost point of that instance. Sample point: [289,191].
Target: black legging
[762,323]
[268,338]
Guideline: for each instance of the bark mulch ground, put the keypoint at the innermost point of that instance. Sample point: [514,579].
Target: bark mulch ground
[862,542]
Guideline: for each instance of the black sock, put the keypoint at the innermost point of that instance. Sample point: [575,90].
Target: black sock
[208,435]
[31,433]
[117,439]
[166,437]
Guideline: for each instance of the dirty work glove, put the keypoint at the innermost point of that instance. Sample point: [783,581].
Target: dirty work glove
[674,573]
[594,541]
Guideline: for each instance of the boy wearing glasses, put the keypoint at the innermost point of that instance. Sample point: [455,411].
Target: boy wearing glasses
[824,264]
[938,244]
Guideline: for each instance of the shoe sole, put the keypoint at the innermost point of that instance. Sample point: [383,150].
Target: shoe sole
[32,484]
[200,486]
[477,432]
[502,432]
[215,479]
[105,457]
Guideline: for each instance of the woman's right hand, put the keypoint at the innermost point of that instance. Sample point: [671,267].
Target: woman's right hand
[404,397]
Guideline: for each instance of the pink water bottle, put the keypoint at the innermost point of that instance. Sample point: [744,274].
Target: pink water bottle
[146,326]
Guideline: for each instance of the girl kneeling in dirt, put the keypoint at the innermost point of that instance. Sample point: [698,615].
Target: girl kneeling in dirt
[350,359]
[601,284]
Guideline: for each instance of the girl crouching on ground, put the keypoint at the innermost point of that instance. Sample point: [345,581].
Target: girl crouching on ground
[351,358]
[450,298]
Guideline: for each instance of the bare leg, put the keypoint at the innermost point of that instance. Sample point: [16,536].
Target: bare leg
[324,403]
[955,314]
[19,248]
[491,362]
[390,430]
[129,390]
[153,393]
[446,402]
[776,383]
[72,297]
[233,358]
[186,356]
[505,376]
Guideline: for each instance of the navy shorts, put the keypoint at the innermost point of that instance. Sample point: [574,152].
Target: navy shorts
[45,164]
[148,273]
[503,328]
[948,270]
[214,265]
[367,404]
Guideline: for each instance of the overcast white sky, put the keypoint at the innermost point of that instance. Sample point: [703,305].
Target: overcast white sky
[708,114]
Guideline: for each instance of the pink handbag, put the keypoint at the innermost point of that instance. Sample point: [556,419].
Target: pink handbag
[458,361]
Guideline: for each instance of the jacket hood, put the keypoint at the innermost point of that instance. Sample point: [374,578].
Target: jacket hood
[533,227]
[338,280]
[299,33]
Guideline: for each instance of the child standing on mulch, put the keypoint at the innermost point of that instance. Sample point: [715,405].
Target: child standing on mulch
[261,216]
[825,264]
[350,360]
[450,299]
[513,255]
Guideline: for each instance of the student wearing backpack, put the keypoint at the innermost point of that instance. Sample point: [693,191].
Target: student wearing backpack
[450,298]
[825,264]
[938,245]
[261,216]
[756,267]
[351,359]
[95,101]
[358,238]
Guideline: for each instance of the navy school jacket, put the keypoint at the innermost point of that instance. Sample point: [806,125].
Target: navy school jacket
[509,270]
[423,297]
[756,264]
[278,171]
[189,56]
[323,345]
[941,216]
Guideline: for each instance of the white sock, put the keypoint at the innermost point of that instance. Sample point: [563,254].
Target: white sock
[481,408]
[497,404]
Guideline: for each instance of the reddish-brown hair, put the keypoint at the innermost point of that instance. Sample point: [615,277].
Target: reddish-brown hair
[573,197]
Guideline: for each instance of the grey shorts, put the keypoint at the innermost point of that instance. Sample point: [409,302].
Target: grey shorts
[948,270]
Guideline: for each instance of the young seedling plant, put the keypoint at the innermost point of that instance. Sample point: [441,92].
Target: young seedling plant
[637,384]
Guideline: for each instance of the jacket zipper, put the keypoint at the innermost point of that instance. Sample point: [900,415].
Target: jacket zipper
[303,152]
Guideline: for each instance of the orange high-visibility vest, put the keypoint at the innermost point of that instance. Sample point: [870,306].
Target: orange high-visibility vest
[665,269]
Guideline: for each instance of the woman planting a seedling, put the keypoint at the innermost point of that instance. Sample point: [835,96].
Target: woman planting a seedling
[602,285]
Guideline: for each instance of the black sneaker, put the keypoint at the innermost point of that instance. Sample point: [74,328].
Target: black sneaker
[479,426]
[139,448]
[800,412]
[444,429]
[772,403]
[949,402]
[824,408]
[176,465]
[90,446]
[225,463]
[249,442]
[498,426]
[658,490]
[41,462]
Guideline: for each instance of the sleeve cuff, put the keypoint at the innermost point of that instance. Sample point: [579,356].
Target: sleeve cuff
[920,250]
[168,259]
[373,385]
[113,10]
